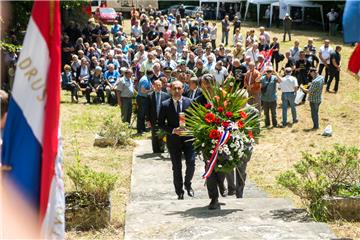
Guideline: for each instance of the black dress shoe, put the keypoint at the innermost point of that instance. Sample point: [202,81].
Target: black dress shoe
[181,196]
[214,204]
[224,193]
[231,193]
[190,192]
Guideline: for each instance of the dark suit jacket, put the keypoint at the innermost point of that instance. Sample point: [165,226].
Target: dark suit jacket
[201,99]
[168,117]
[198,93]
[151,115]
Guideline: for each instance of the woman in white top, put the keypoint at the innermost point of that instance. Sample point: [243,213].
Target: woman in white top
[237,37]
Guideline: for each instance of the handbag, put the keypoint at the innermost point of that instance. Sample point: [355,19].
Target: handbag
[299,96]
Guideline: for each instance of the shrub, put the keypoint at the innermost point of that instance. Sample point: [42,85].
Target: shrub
[331,173]
[96,186]
[114,128]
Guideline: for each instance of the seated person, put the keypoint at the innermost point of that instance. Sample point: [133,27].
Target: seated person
[110,76]
[68,83]
[96,84]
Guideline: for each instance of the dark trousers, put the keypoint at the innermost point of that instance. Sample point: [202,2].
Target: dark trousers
[289,33]
[176,146]
[275,62]
[111,96]
[157,143]
[99,94]
[270,107]
[73,89]
[240,173]
[126,109]
[215,180]
[333,74]
[314,107]
[213,43]
[142,109]
[321,67]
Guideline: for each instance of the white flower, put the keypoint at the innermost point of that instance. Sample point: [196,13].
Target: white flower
[213,141]
[240,153]
[203,145]
[231,158]
[219,166]
[221,129]
[234,126]
[232,145]
[231,84]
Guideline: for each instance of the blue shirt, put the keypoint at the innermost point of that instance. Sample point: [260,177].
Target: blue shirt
[111,76]
[115,29]
[270,85]
[114,61]
[144,83]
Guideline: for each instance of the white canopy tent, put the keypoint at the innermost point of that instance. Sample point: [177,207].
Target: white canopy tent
[257,3]
[221,1]
[286,5]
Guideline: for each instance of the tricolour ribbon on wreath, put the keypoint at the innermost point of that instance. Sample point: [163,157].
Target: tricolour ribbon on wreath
[224,138]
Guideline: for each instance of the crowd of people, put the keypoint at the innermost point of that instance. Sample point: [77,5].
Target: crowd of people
[111,65]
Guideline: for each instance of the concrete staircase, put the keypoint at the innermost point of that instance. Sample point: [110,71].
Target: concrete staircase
[155,213]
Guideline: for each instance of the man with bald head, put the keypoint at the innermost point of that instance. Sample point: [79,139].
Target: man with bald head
[155,99]
[177,143]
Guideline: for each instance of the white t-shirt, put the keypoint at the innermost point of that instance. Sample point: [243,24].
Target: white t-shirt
[288,84]
[325,53]
[213,33]
[332,16]
[219,75]
[238,38]
[253,54]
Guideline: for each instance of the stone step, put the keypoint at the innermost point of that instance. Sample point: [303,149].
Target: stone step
[247,218]
[152,177]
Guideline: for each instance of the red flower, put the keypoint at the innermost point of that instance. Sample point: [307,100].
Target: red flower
[217,120]
[209,117]
[220,109]
[214,134]
[208,106]
[241,124]
[250,133]
[243,114]
[229,114]
[225,124]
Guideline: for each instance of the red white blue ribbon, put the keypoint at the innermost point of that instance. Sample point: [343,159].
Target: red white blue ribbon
[224,138]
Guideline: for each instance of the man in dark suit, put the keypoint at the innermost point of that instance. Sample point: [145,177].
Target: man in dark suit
[194,90]
[155,100]
[176,143]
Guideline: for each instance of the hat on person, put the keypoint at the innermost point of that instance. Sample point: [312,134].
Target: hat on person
[98,68]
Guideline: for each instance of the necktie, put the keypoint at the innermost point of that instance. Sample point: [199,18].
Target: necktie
[193,95]
[178,110]
[157,98]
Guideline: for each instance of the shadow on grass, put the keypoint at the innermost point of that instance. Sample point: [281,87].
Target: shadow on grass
[204,212]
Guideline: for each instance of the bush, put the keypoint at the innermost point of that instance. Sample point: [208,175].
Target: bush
[95,186]
[114,128]
[331,173]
